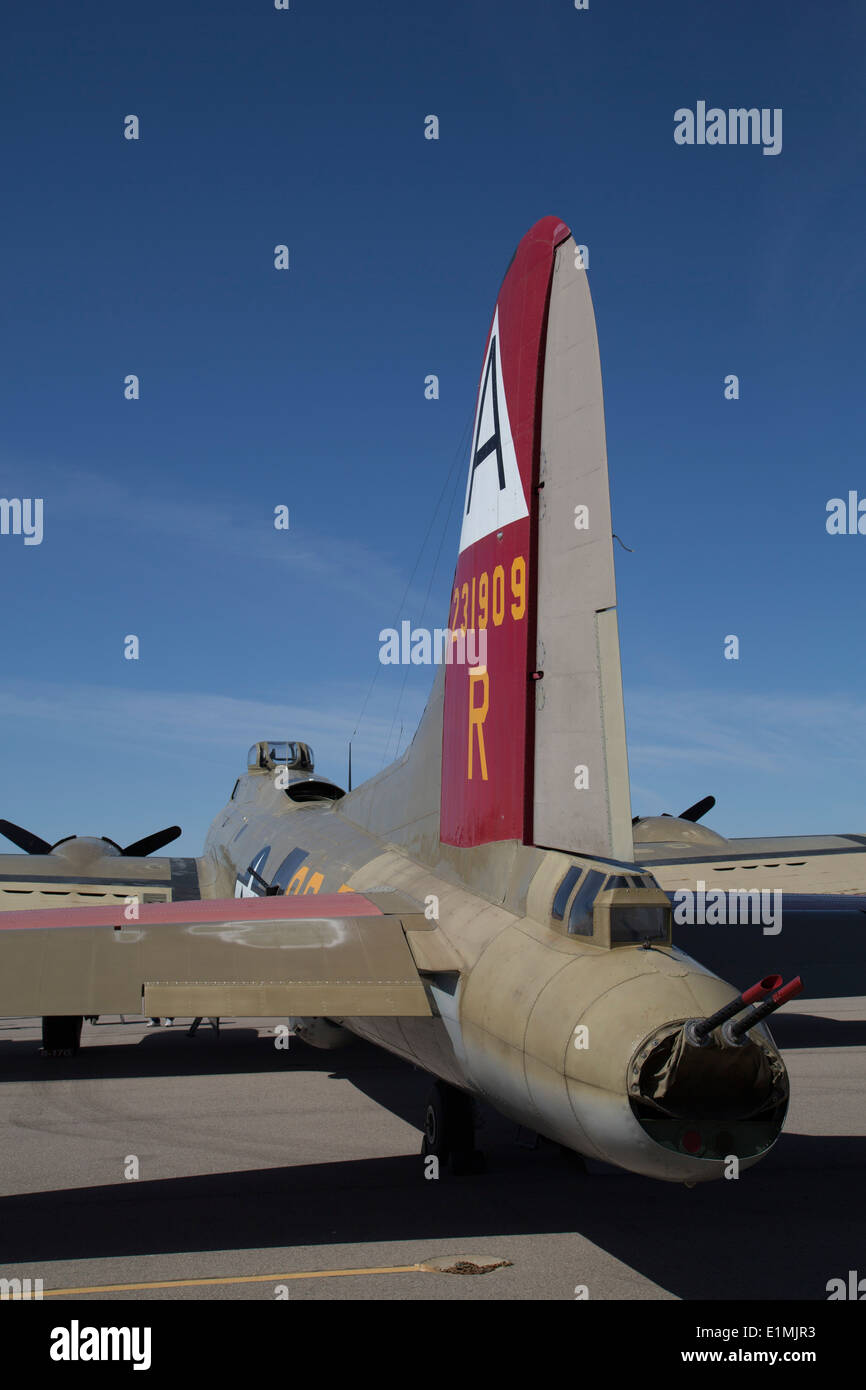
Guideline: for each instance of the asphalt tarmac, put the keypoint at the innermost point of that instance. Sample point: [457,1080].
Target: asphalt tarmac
[265,1173]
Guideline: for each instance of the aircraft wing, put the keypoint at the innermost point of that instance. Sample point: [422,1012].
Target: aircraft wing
[53,880]
[338,955]
[823,864]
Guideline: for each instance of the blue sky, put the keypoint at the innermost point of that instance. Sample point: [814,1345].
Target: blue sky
[306,388]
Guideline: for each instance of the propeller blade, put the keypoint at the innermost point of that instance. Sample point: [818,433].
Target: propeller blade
[152,843]
[700,808]
[24,839]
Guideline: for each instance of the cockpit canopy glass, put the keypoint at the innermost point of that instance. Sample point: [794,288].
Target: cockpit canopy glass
[283,752]
[272,753]
[638,922]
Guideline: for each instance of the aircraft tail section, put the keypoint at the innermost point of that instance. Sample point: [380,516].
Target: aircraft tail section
[533,736]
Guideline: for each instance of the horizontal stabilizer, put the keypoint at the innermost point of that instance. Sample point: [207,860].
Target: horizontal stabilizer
[338,955]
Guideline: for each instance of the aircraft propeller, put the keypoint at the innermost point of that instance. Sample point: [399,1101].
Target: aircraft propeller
[692,813]
[34,844]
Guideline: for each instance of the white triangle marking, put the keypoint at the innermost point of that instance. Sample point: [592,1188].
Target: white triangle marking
[494,489]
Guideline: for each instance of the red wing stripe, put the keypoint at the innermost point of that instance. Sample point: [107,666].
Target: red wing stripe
[304,906]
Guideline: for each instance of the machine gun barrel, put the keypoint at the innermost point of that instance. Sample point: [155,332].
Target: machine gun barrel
[700,1029]
[736,1032]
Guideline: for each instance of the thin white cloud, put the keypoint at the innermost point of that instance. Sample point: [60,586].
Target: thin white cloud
[347,566]
[159,720]
[755,731]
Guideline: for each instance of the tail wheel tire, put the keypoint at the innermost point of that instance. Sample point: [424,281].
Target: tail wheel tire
[449,1130]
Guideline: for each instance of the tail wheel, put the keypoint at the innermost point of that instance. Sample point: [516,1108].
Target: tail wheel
[449,1129]
[433,1131]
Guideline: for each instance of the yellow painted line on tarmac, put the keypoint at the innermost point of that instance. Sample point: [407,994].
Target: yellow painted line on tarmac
[237,1279]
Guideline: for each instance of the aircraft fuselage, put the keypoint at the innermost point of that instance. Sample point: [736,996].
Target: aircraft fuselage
[545,1025]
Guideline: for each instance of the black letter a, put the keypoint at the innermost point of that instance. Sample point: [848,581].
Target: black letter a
[479,454]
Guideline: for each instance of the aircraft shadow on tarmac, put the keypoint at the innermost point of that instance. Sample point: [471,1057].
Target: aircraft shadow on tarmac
[169,1052]
[387,1080]
[808,1030]
[780,1232]
[242,1050]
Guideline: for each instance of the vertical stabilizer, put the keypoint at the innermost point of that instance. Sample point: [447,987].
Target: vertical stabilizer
[581,788]
[533,739]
